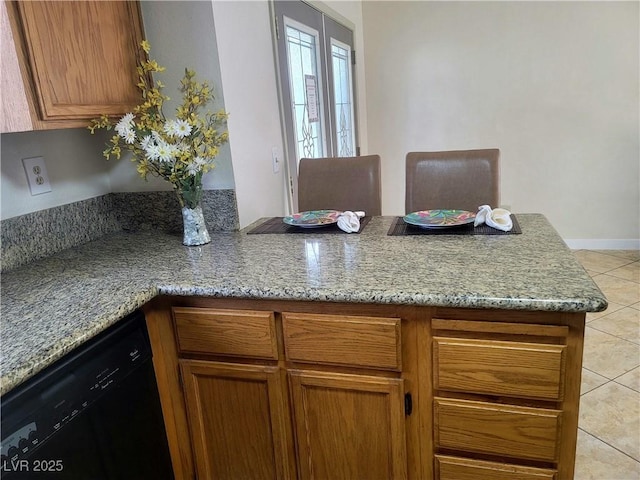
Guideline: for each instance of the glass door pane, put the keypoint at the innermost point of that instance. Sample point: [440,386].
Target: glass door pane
[306,89]
[343,99]
[339,48]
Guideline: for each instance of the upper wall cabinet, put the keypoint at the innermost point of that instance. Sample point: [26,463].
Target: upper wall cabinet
[68,62]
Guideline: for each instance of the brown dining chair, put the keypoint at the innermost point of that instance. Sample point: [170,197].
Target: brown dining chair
[340,183]
[456,179]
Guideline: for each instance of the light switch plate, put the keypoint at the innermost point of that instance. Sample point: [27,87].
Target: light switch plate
[37,175]
[275,158]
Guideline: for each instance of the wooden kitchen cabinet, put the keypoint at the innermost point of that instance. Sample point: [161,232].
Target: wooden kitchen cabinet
[500,391]
[238,420]
[68,62]
[339,390]
[238,412]
[348,426]
[281,395]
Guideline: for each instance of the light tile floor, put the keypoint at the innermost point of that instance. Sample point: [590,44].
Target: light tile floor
[609,425]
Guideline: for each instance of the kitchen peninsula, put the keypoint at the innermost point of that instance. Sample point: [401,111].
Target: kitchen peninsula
[463,352]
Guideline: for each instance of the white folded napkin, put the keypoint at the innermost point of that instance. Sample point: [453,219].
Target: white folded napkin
[349,221]
[498,218]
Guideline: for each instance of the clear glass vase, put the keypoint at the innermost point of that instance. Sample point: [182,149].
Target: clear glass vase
[195,229]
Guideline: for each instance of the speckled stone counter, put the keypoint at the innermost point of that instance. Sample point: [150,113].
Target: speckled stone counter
[55,304]
[40,234]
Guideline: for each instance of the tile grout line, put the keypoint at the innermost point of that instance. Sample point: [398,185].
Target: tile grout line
[613,335]
[597,274]
[623,385]
[611,380]
[614,379]
[608,444]
[630,262]
[606,252]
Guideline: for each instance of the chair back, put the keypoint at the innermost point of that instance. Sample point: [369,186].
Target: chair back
[461,179]
[340,183]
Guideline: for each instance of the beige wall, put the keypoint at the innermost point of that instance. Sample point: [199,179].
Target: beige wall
[243,33]
[554,85]
[77,171]
[182,35]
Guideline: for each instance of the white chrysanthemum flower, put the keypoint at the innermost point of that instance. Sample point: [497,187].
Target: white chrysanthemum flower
[200,162]
[129,136]
[152,152]
[170,127]
[193,168]
[124,125]
[177,128]
[164,152]
[183,128]
[146,142]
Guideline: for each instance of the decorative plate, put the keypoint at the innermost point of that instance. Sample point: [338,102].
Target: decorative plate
[313,218]
[439,218]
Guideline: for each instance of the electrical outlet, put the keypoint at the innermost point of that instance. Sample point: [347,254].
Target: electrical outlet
[37,175]
[275,159]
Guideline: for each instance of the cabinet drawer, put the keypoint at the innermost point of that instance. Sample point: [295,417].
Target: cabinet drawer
[237,333]
[527,370]
[455,468]
[493,428]
[343,340]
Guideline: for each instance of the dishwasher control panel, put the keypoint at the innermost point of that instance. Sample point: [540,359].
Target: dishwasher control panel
[19,442]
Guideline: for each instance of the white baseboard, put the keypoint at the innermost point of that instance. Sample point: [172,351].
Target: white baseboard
[603,244]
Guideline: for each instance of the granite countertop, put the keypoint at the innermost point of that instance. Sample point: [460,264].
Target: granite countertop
[53,305]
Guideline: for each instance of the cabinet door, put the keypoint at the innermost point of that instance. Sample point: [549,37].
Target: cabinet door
[349,426]
[238,420]
[82,56]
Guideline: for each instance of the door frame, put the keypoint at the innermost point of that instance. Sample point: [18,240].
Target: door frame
[291,176]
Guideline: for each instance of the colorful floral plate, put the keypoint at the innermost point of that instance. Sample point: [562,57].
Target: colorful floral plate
[313,218]
[439,218]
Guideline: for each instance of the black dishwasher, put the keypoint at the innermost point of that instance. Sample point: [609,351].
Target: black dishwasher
[93,415]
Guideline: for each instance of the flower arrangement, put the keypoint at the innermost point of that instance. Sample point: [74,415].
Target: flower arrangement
[181,149]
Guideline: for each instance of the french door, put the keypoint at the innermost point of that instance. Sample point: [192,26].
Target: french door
[315,67]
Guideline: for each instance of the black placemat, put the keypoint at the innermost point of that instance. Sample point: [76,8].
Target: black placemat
[400,228]
[276,225]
